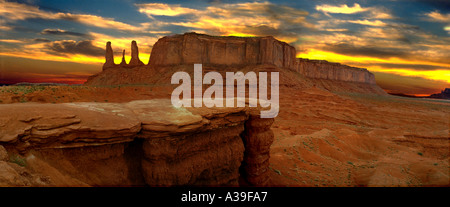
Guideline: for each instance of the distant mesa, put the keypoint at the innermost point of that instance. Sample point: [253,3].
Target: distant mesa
[445,94]
[221,54]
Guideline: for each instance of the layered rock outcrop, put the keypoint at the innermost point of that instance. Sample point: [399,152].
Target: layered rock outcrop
[257,138]
[237,52]
[333,71]
[139,142]
[193,48]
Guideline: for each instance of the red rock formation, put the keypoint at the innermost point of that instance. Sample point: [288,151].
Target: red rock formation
[333,71]
[257,140]
[135,56]
[193,48]
[109,56]
[136,143]
[236,52]
[134,62]
[207,158]
[123,63]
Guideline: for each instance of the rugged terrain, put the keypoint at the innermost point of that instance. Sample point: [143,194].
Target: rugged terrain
[231,54]
[336,127]
[322,138]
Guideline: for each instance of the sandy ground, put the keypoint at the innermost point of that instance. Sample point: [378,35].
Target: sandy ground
[326,139]
[321,138]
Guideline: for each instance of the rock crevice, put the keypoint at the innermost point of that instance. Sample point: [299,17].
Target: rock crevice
[180,146]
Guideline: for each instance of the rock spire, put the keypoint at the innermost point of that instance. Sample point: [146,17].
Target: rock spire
[135,55]
[109,56]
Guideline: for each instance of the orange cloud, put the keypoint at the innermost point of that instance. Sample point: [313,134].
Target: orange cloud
[376,23]
[439,74]
[435,16]
[11,41]
[159,9]
[342,9]
[374,12]
[240,19]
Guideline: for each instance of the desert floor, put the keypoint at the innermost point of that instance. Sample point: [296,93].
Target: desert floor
[321,138]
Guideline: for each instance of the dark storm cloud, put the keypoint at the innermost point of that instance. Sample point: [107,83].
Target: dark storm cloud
[62,32]
[84,47]
[380,52]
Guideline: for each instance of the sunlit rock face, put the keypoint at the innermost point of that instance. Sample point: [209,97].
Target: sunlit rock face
[221,53]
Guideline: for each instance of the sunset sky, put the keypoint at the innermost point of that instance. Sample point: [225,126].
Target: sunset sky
[405,43]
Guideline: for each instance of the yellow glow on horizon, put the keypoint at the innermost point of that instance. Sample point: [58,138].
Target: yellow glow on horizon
[44,56]
[439,75]
[142,56]
[237,34]
[83,59]
[334,57]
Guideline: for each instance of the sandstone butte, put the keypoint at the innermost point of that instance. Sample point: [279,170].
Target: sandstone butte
[179,53]
[149,142]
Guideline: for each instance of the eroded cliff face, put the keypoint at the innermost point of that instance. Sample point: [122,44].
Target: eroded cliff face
[223,53]
[193,48]
[146,142]
[333,71]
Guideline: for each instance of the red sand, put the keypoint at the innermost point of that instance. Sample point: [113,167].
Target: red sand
[321,138]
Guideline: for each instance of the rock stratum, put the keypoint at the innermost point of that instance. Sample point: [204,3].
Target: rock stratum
[147,142]
[219,53]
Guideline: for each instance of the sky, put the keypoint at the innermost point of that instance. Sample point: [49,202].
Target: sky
[405,43]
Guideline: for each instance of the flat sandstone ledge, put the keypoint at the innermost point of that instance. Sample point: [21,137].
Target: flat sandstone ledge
[181,146]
